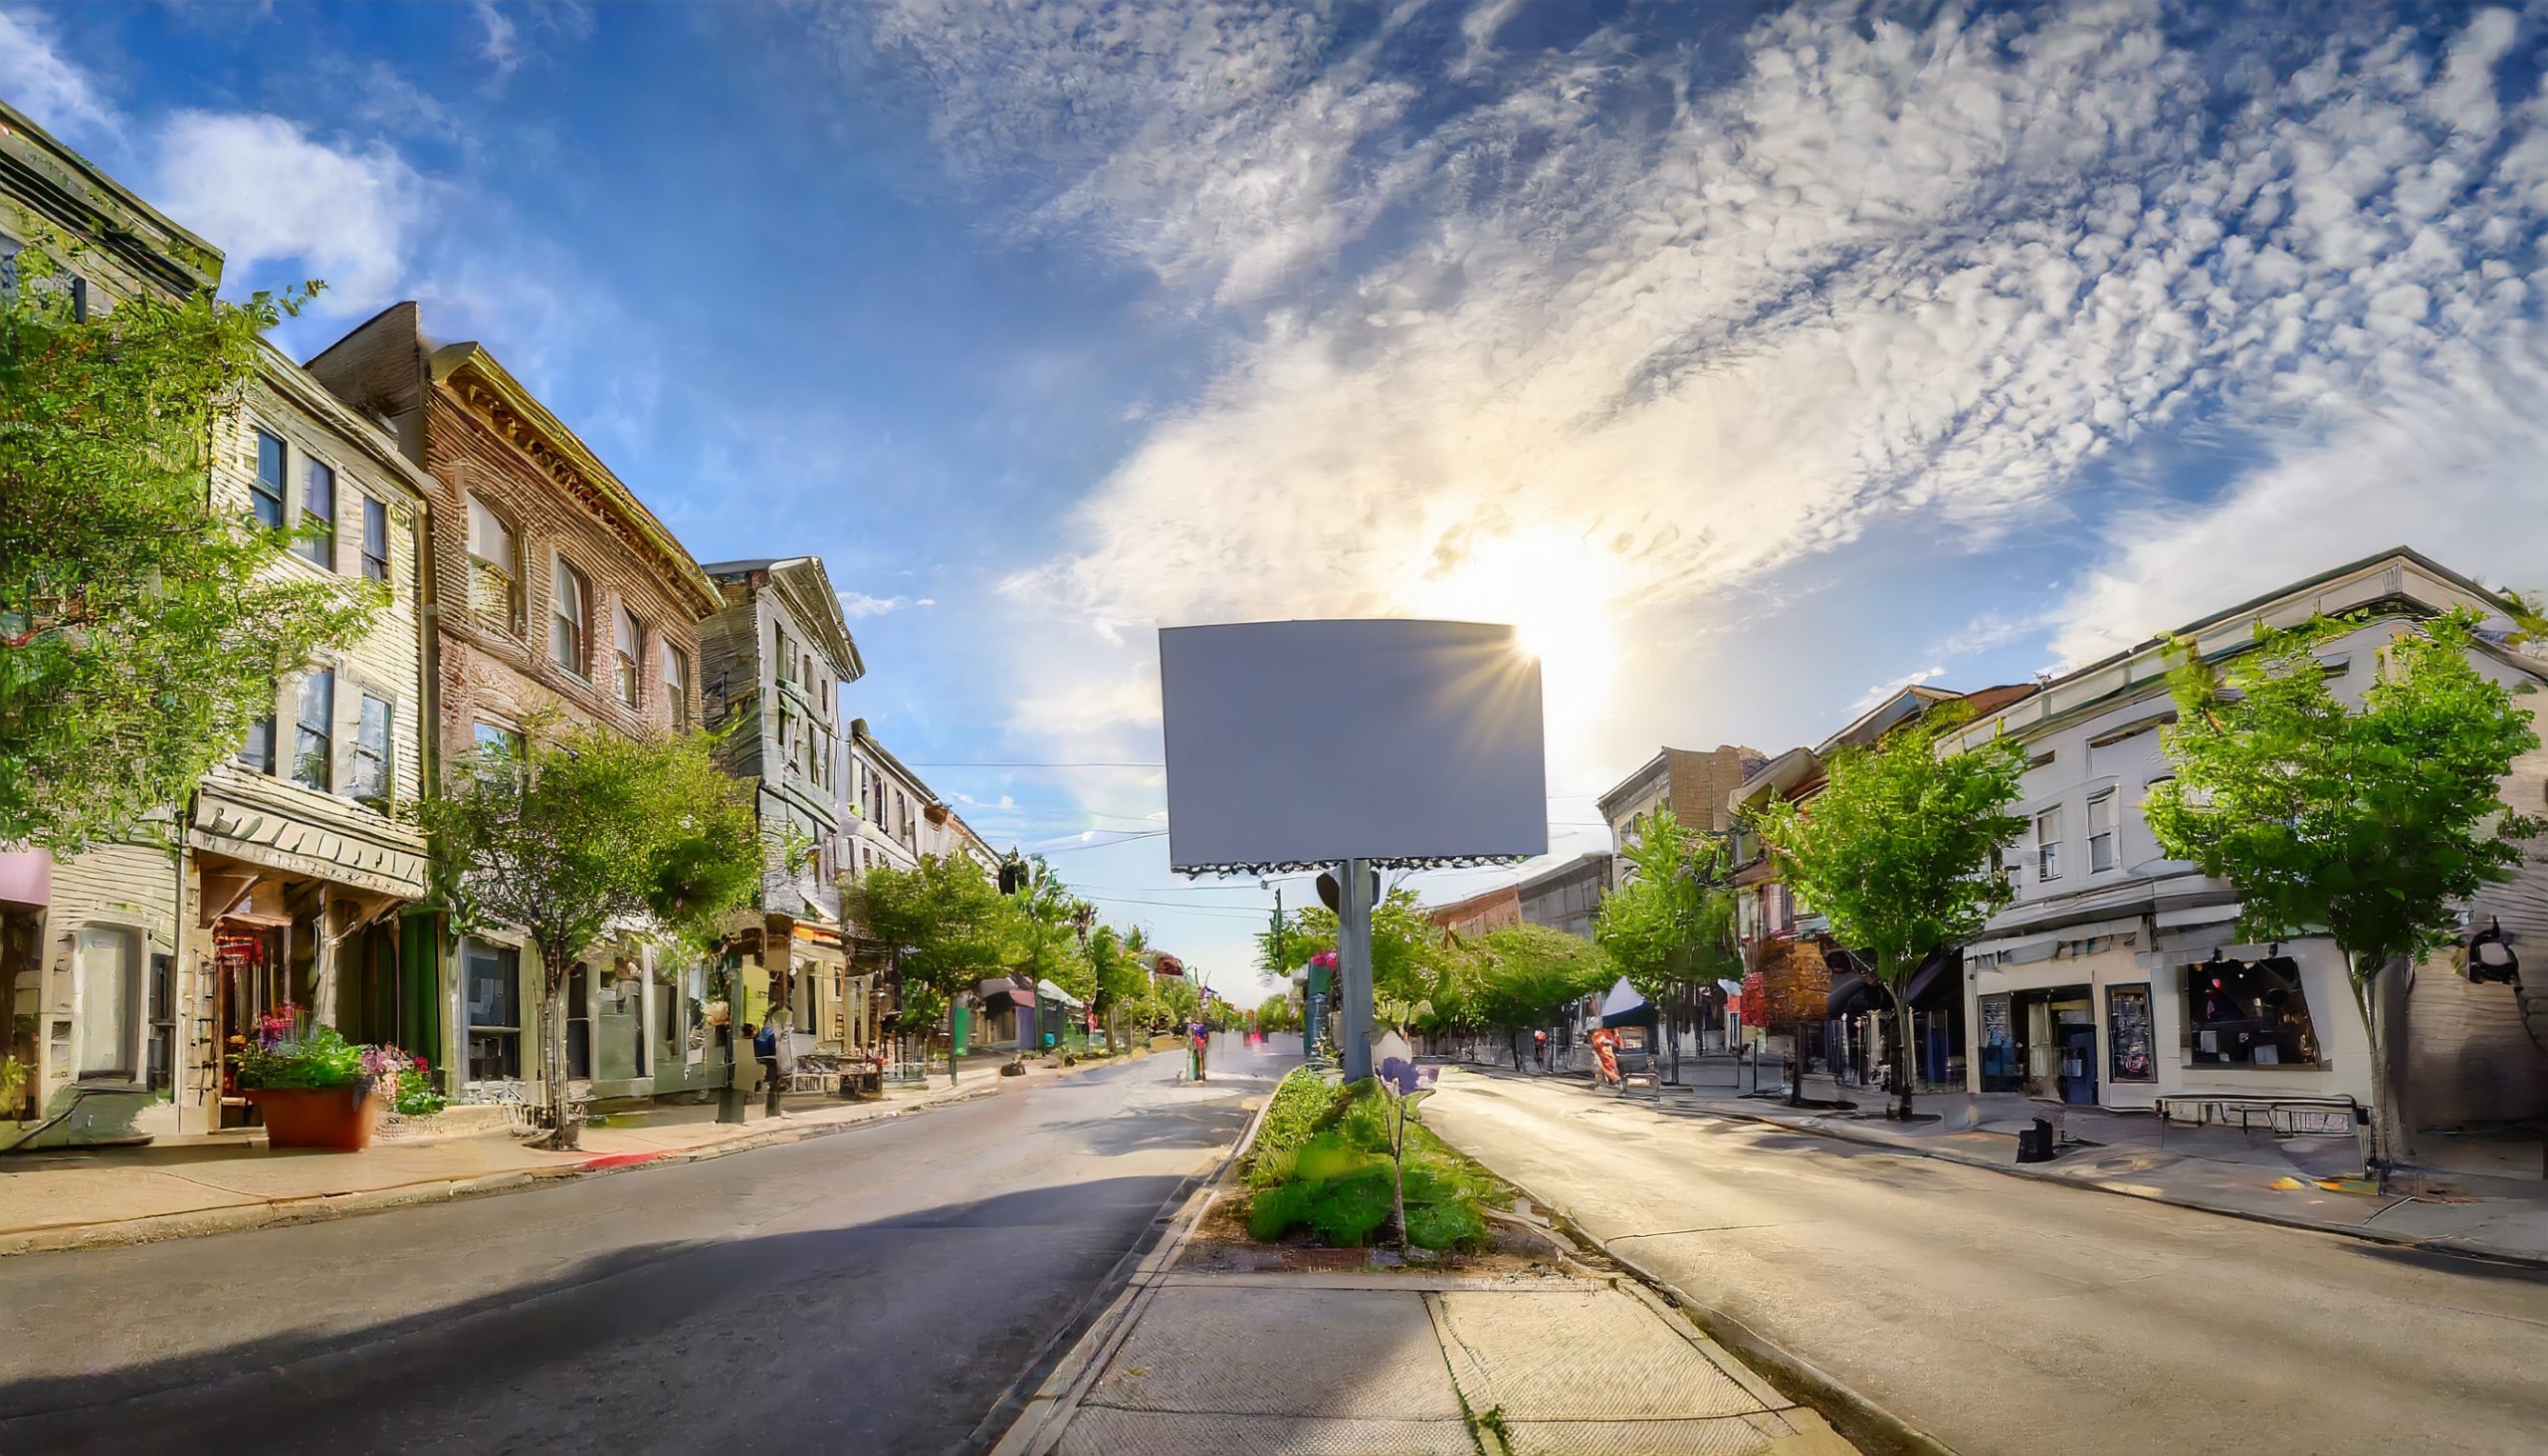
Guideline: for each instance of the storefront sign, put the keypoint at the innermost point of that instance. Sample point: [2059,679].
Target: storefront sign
[2129,1053]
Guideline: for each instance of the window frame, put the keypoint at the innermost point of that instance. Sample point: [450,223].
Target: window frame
[325,730]
[677,685]
[629,656]
[2047,850]
[269,499]
[509,572]
[319,548]
[375,540]
[507,959]
[129,995]
[564,572]
[2103,845]
[271,722]
[382,761]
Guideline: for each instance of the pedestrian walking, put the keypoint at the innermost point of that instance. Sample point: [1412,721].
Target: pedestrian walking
[772,1048]
[1540,1048]
[1202,1039]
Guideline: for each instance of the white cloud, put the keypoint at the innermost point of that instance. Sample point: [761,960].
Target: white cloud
[1926,278]
[40,81]
[499,41]
[856,604]
[265,191]
[1878,692]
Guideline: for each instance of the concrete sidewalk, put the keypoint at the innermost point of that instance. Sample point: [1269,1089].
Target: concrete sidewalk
[1421,1364]
[103,1196]
[2296,1181]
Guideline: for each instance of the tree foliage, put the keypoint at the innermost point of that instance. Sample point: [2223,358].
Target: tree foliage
[587,835]
[1673,920]
[2373,825]
[948,926]
[1895,851]
[1412,959]
[140,631]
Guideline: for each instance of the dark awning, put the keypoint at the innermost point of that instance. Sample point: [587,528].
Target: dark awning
[1938,983]
[1012,990]
[1852,994]
[1641,1015]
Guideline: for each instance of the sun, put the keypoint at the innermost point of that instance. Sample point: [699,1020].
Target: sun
[1558,598]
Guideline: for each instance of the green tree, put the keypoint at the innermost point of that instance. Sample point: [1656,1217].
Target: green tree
[2373,825]
[948,926]
[1278,1014]
[1412,959]
[1672,923]
[590,834]
[1121,980]
[1895,851]
[140,631]
[1527,974]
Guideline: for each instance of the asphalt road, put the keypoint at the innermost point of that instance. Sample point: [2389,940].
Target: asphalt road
[2007,1315]
[873,1291]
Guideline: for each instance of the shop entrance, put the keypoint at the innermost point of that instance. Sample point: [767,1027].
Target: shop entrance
[252,976]
[2054,1036]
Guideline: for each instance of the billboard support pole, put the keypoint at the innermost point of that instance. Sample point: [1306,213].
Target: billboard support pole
[1353,967]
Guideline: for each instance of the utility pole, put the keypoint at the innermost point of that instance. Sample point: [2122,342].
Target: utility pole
[1353,966]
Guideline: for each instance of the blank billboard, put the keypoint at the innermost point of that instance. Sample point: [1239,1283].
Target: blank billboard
[1303,743]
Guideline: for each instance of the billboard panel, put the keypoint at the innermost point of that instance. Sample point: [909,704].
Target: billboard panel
[1299,743]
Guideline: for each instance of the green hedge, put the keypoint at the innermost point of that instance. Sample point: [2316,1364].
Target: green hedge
[1321,1161]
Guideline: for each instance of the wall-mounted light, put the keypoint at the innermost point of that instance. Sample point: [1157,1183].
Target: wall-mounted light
[2491,954]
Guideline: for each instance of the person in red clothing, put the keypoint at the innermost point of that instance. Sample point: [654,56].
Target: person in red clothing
[1606,1050]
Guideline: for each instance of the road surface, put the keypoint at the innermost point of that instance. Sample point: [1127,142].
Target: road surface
[876,1290]
[2002,1315]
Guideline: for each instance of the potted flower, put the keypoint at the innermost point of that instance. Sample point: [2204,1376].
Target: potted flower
[310,1087]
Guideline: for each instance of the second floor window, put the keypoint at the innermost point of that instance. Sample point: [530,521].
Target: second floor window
[258,752]
[495,569]
[627,635]
[570,617]
[376,540]
[313,731]
[2047,845]
[266,492]
[319,515]
[677,686]
[2101,855]
[371,752]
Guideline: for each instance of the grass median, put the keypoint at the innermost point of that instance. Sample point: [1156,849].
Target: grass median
[1321,1165]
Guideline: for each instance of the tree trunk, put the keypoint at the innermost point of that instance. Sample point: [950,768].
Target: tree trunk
[1901,1056]
[951,1056]
[2370,1001]
[565,1132]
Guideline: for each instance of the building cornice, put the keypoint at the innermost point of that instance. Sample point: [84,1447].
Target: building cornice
[491,393]
[65,191]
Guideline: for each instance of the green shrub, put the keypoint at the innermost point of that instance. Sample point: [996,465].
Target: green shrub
[1450,1225]
[1274,1213]
[1346,1210]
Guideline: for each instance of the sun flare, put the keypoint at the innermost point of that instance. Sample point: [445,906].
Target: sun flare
[1558,596]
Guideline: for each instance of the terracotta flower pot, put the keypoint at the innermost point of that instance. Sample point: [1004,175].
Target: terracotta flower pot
[340,1119]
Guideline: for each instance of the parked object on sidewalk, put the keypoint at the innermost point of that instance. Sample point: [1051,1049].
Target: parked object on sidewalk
[2035,1144]
[334,1119]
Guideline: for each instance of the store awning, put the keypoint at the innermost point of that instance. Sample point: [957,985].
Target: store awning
[1641,1015]
[1852,994]
[1053,995]
[1017,992]
[1937,984]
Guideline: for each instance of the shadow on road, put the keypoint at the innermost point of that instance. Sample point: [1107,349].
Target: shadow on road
[885,1335]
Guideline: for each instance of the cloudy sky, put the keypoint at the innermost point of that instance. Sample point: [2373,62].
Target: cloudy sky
[1750,359]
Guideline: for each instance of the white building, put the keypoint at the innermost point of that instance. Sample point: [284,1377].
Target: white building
[2118,978]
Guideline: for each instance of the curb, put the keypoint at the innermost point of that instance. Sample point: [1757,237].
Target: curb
[1865,1424]
[1045,1415]
[320,1208]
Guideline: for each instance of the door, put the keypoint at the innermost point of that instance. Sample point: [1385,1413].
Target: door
[109,1004]
[2080,1064]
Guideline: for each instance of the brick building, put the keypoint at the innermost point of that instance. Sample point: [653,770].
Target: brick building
[551,588]
[1693,784]
[1565,896]
[1490,909]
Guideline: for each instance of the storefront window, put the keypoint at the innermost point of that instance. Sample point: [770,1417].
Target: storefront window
[2001,1071]
[2130,1055]
[2247,1013]
[495,1012]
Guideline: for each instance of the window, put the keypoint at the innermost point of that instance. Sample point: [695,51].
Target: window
[268,491]
[2247,1013]
[627,635]
[495,569]
[786,654]
[495,1012]
[677,686]
[570,616]
[2101,831]
[110,1002]
[312,745]
[258,752]
[376,540]
[319,515]
[2047,845]
[504,741]
[371,752]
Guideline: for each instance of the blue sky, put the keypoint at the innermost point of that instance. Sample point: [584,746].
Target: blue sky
[1760,356]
